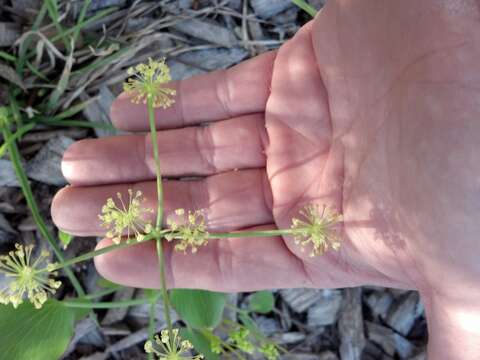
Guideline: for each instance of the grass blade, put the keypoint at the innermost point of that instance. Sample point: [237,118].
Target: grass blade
[309,9]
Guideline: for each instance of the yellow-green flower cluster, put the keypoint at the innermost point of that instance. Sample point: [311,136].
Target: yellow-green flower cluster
[317,229]
[240,338]
[216,345]
[191,232]
[126,219]
[147,81]
[30,278]
[173,348]
[270,351]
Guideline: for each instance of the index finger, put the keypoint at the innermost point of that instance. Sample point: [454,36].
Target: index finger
[222,94]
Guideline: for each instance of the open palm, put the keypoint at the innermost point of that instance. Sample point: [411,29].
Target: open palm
[369,114]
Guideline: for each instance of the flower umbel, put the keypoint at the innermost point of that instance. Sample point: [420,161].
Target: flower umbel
[318,229]
[270,351]
[28,277]
[174,348]
[216,345]
[128,219]
[147,82]
[190,233]
[240,338]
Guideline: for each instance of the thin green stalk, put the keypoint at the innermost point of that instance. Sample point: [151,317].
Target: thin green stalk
[24,48]
[32,204]
[15,136]
[159,234]
[52,8]
[153,130]
[99,294]
[81,17]
[249,234]
[104,305]
[77,123]
[151,326]
[87,22]
[92,254]
[165,297]
[37,72]
[14,108]
[158,224]
[8,57]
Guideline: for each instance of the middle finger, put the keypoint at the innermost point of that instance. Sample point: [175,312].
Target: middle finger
[230,144]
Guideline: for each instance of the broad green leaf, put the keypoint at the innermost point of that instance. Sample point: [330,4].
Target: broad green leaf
[262,302]
[65,238]
[199,342]
[198,308]
[30,334]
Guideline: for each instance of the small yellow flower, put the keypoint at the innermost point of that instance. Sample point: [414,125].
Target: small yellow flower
[147,82]
[317,229]
[30,278]
[171,349]
[190,232]
[127,219]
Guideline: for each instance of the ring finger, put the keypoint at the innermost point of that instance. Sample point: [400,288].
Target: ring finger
[230,201]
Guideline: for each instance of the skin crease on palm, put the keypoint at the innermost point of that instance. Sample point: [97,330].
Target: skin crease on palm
[371,108]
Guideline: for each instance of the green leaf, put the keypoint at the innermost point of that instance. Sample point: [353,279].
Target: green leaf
[200,342]
[30,334]
[198,308]
[309,9]
[152,294]
[65,238]
[248,322]
[7,73]
[107,284]
[262,302]
[75,109]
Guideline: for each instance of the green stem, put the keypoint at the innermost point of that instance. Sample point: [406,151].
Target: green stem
[24,47]
[81,17]
[248,234]
[99,294]
[92,254]
[157,234]
[158,224]
[15,136]
[32,204]
[76,123]
[166,298]
[104,305]
[153,130]
[151,326]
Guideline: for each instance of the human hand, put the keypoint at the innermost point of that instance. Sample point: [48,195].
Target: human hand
[369,110]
